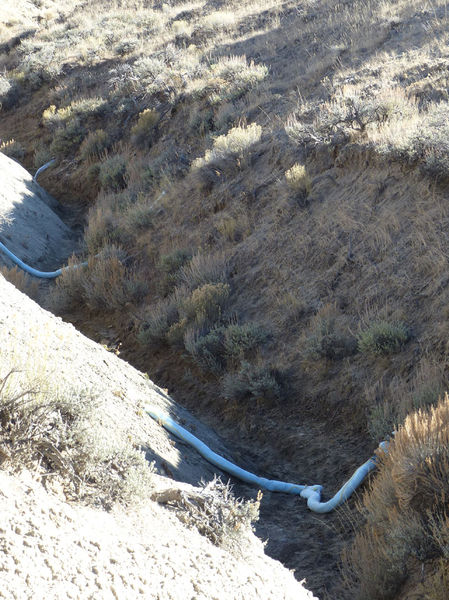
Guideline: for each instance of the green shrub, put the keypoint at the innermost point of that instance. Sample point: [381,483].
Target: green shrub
[383,337]
[240,341]
[207,349]
[206,303]
[255,384]
[139,217]
[94,145]
[156,323]
[141,132]
[170,265]
[229,79]
[67,139]
[112,174]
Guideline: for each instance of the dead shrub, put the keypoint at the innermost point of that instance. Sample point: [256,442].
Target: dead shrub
[107,282]
[214,512]
[404,508]
[67,294]
[107,223]
[59,431]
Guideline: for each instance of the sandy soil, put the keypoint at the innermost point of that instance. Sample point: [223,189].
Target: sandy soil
[53,550]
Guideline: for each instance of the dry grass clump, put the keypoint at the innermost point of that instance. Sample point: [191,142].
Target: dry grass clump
[236,143]
[21,280]
[94,145]
[405,509]
[141,132]
[390,402]
[298,181]
[204,268]
[58,432]
[13,149]
[327,337]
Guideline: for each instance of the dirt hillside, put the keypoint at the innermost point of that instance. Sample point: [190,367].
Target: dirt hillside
[263,193]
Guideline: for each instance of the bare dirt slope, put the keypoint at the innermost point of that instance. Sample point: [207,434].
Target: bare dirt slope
[29,227]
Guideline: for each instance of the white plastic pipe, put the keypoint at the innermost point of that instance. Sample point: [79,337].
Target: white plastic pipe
[311,492]
[40,169]
[36,272]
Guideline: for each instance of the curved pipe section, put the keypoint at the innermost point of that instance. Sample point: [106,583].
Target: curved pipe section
[36,272]
[40,169]
[310,492]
